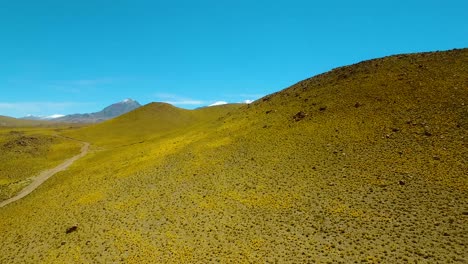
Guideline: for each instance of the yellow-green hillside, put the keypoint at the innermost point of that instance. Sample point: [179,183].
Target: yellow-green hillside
[26,152]
[152,120]
[6,121]
[365,163]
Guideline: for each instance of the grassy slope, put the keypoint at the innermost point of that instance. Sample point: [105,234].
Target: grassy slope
[6,121]
[25,152]
[153,120]
[374,171]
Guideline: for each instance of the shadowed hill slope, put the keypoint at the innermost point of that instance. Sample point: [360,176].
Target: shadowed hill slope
[365,163]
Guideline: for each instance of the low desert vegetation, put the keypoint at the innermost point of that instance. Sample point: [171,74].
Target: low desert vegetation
[365,163]
[8,122]
[26,152]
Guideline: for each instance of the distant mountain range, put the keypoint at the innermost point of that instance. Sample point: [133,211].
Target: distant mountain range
[33,117]
[109,112]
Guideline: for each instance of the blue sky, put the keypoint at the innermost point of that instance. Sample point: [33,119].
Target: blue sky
[63,57]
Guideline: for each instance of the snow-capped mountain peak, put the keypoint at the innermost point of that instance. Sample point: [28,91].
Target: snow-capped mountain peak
[51,117]
[54,116]
[109,112]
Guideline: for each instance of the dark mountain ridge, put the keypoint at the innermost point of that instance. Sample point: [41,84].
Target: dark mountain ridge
[107,113]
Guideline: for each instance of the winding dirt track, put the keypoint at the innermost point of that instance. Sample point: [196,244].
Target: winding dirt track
[45,175]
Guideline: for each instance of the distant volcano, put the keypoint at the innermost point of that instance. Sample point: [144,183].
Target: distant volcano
[109,112]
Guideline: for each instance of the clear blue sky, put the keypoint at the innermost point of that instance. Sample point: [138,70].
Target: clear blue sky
[63,57]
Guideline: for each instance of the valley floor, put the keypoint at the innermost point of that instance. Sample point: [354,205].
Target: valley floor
[44,176]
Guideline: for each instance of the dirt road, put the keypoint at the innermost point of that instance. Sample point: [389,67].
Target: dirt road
[45,175]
